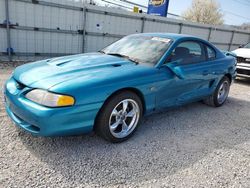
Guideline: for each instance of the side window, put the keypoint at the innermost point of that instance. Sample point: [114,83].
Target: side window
[211,55]
[188,52]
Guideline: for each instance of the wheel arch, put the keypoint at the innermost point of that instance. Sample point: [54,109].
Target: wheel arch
[229,76]
[131,89]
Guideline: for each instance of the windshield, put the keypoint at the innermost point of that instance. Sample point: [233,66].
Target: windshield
[247,46]
[142,49]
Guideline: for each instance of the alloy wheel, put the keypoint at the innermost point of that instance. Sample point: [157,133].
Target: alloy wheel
[124,118]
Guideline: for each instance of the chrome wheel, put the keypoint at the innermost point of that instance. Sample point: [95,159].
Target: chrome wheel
[124,118]
[223,92]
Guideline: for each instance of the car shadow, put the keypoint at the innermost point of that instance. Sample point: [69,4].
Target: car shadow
[164,144]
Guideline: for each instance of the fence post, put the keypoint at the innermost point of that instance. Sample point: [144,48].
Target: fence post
[8,29]
[231,41]
[180,29]
[84,28]
[209,34]
[143,23]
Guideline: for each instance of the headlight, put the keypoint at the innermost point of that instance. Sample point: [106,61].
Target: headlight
[46,98]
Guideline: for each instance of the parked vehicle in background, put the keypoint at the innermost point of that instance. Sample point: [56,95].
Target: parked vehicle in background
[243,60]
[109,91]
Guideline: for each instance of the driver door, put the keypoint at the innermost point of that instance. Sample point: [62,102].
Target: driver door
[187,77]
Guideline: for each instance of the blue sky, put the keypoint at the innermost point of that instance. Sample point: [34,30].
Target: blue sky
[235,12]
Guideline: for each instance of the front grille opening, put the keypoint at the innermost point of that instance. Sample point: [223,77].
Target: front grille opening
[19,85]
[242,60]
[34,128]
[20,119]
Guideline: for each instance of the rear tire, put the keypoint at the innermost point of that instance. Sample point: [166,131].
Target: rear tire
[220,94]
[119,117]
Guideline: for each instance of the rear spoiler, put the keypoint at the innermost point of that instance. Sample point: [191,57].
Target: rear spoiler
[227,53]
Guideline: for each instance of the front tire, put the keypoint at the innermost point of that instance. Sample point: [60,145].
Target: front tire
[220,94]
[119,117]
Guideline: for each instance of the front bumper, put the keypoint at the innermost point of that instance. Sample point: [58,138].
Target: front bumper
[45,121]
[243,69]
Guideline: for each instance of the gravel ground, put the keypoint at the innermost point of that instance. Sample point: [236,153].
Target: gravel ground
[191,146]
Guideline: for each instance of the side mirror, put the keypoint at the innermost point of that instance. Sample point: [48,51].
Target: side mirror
[175,68]
[241,46]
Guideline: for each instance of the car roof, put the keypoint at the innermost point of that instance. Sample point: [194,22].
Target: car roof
[172,36]
[176,37]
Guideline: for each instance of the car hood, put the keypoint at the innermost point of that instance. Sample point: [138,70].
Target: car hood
[242,52]
[48,73]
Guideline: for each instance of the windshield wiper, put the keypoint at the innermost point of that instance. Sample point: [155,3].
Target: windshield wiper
[125,56]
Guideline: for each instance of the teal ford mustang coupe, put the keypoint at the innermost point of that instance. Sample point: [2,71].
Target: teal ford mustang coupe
[111,90]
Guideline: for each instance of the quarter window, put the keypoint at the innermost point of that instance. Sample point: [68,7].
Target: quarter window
[210,53]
